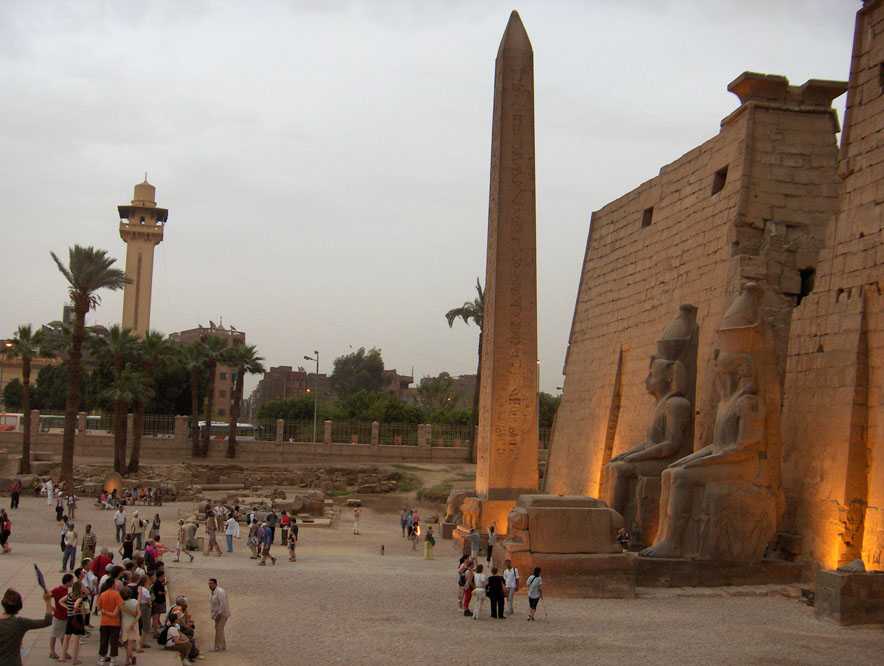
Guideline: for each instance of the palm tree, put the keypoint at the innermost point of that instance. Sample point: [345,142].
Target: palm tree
[126,388]
[213,354]
[26,345]
[117,346]
[191,359]
[472,311]
[153,351]
[242,358]
[88,271]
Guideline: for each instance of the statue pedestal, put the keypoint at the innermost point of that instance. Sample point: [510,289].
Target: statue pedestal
[849,598]
[573,540]
[672,572]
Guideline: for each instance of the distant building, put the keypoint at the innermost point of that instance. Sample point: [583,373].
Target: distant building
[10,368]
[225,376]
[283,383]
[464,390]
[396,384]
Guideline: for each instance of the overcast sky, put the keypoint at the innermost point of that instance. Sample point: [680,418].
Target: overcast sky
[325,165]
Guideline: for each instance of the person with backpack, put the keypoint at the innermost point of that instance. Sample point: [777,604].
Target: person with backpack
[469,584]
[462,566]
[496,592]
[535,592]
[511,580]
[172,638]
[429,544]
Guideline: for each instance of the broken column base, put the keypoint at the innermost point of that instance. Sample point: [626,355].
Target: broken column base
[849,598]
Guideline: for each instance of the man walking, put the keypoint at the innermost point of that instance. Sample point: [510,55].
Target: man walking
[120,523]
[181,544]
[272,519]
[220,610]
[265,538]
[212,533]
[356,520]
[231,531]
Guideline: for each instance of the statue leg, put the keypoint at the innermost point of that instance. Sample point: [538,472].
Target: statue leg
[675,511]
[621,476]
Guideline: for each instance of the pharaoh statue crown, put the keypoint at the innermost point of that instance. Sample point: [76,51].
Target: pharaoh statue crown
[741,326]
[677,334]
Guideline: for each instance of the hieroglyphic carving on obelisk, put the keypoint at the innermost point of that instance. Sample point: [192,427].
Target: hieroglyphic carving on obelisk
[508,435]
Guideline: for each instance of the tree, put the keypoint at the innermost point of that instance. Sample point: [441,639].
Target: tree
[88,271]
[242,359]
[26,344]
[153,352]
[291,409]
[472,311]
[192,359]
[126,388]
[549,404]
[116,347]
[359,371]
[12,394]
[436,393]
[213,348]
[52,386]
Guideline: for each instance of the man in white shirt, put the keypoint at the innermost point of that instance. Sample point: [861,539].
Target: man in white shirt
[120,523]
[220,611]
[511,580]
[231,531]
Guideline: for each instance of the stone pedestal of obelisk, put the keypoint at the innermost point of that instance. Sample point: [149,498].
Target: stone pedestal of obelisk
[508,436]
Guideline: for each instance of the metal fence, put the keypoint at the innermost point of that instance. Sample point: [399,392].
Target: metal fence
[401,434]
[159,425]
[451,435]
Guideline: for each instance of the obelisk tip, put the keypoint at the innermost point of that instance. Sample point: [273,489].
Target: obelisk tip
[515,37]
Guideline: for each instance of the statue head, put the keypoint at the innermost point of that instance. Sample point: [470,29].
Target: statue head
[665,377]
[740,336]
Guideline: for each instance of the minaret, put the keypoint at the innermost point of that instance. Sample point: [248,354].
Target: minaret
[141,227]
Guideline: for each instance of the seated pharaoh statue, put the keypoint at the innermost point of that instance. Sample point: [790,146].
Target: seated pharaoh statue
[631,484]
[723,501]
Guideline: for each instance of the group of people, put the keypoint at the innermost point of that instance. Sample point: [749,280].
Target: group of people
[499,588]
[261,534]
[130,496]
[128,600]
[410,523]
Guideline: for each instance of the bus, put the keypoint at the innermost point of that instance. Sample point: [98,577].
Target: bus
[220,429]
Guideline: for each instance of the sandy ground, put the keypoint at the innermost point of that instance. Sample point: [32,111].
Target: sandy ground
[345,603]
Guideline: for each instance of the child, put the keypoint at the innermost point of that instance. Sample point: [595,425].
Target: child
[293,539]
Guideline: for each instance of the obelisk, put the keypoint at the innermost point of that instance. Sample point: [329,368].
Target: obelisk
[508,434]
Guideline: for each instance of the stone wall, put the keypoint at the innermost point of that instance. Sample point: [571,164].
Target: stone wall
[156,450]
[833,406]
[749,204]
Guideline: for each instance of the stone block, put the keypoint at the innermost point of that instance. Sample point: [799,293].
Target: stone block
[571,530]
[849,598]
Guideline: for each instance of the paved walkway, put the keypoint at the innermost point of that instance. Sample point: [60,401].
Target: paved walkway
[343,602]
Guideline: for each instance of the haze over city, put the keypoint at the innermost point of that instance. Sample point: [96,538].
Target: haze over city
[326,168]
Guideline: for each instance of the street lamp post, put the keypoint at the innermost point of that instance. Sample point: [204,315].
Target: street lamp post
[315,357]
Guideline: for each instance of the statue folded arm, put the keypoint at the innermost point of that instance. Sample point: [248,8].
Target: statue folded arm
[749,440]
[678,415]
